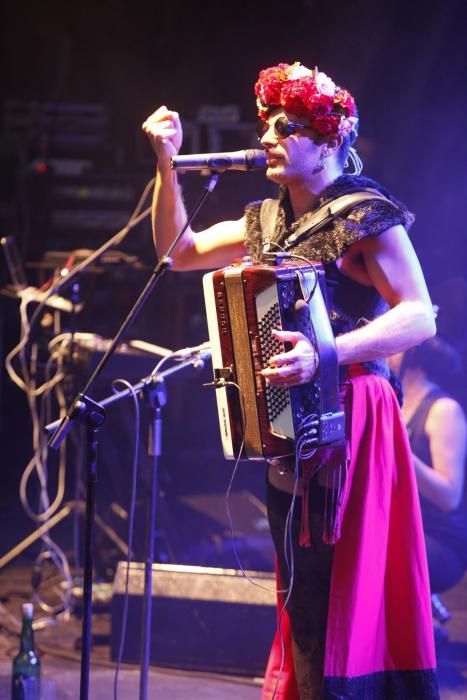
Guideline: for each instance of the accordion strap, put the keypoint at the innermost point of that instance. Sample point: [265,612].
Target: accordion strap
[314,220]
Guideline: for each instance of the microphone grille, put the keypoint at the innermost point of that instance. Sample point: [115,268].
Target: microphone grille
[255,158]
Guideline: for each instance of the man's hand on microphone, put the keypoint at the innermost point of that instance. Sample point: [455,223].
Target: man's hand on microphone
[165,133]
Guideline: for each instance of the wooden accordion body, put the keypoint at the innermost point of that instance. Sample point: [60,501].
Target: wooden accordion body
[244,303]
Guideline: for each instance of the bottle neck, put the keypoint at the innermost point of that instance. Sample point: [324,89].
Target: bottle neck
[27,636]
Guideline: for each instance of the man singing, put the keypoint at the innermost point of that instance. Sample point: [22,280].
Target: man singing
[358,619]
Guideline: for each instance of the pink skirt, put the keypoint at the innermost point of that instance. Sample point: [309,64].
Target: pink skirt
[379,636]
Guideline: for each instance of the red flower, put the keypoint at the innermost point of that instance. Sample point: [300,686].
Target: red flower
[326,125]
[269,84]
[318,103]
[294,96]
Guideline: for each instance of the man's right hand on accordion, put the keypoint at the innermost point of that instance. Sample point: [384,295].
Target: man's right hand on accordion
[295,366]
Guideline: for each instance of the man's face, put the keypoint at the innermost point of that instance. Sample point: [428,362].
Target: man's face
[293,159]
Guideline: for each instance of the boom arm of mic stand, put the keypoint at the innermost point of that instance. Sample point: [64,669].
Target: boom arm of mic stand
[164,263]
[135,388]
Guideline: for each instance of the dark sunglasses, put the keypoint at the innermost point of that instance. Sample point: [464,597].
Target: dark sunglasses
[282,128]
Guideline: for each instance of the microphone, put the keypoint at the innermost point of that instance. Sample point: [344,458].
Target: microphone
[53,301]
[251,159]
[203,350]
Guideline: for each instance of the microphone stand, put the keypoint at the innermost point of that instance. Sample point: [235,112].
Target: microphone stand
[92,415]
[154,392]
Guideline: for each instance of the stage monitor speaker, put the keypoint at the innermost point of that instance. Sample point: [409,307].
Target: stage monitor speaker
[203,619]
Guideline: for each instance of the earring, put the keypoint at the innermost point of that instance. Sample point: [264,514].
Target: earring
[320,165]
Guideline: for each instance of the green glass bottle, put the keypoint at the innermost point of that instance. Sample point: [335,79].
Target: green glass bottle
[26,665]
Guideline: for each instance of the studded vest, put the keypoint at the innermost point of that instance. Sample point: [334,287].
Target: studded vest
[350,303]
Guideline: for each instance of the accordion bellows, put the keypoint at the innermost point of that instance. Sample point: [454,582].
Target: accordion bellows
[244,303]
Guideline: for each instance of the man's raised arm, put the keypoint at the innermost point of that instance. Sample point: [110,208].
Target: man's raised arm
[218,245]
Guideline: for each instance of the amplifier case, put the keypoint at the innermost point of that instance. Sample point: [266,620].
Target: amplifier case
[203,619]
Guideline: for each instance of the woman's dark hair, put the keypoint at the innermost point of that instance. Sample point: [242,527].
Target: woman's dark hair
[436,357]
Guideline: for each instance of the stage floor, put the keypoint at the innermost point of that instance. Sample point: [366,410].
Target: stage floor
[61,681]
[61,667]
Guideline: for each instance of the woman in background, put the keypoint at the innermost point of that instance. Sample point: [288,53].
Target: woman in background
[437,430]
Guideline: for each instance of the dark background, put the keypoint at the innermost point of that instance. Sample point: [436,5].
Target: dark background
[405,63]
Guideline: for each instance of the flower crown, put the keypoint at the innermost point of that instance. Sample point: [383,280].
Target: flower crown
[306,93]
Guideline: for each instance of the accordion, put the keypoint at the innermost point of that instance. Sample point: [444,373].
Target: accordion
[244,303]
